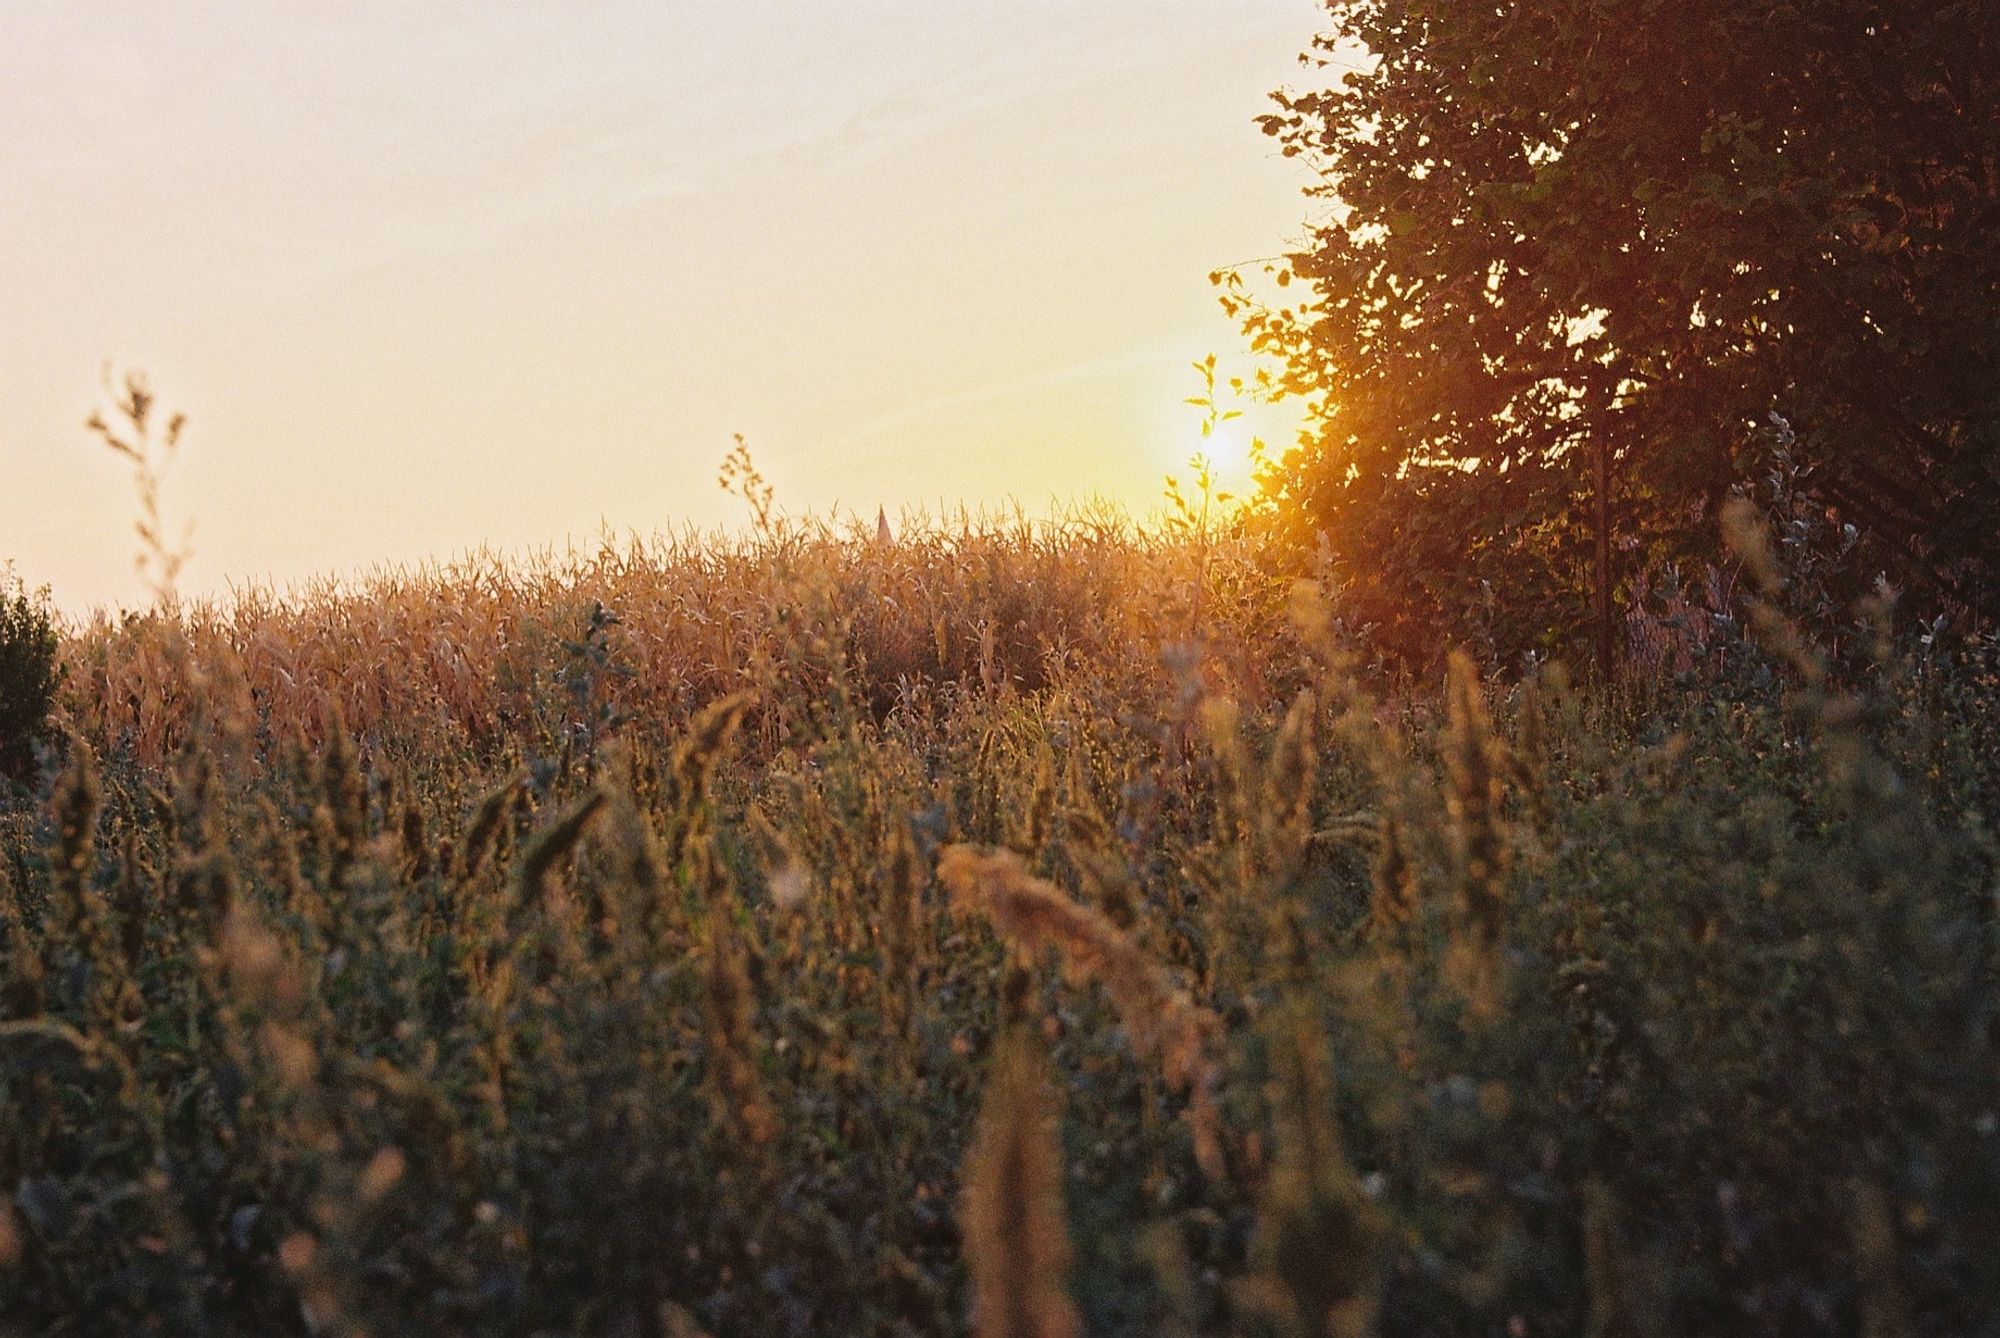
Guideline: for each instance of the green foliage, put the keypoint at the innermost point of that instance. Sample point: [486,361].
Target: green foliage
[30,677]
[1579,254]
[1450,1010]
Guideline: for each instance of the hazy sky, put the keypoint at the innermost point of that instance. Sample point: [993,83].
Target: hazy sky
[428,275]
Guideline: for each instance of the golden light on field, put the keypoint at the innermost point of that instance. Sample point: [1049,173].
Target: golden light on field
[526,278]
[762,726]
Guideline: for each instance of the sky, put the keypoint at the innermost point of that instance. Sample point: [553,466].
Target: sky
[430,276]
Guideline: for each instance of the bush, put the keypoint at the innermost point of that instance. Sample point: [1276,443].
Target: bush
[29,676]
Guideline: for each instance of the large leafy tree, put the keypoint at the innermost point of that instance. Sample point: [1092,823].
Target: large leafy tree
[1575,253]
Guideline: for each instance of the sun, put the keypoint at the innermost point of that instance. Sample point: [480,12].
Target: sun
[1238,448]
[1231,449]
[1238,432]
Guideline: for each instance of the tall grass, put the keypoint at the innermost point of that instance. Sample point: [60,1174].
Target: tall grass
[1007,929]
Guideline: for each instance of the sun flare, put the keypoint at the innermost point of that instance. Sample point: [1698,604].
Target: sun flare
[1231,450]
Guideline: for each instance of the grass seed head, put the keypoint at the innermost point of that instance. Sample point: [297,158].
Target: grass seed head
[1011,1215]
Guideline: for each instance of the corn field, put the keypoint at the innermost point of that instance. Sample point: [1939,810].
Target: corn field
[1010,929]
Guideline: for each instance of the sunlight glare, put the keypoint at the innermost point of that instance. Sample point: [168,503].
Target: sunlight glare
[1229,448]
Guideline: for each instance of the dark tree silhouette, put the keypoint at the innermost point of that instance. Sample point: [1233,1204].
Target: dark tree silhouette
[1574,256]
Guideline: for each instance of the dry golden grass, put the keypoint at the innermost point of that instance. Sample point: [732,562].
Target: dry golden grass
[601,946]
[473,650]
[1011,1211]
[1161,1022]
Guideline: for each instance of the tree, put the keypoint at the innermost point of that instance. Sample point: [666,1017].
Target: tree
[1576,253]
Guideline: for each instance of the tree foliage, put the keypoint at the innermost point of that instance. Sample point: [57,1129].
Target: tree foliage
[1589,236]
[29,676]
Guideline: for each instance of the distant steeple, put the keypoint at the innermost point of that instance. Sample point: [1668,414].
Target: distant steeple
[882,535]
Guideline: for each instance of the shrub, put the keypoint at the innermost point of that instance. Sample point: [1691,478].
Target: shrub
[29,676]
